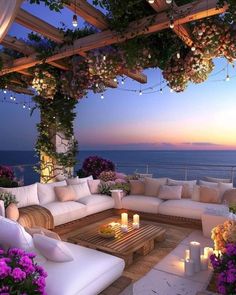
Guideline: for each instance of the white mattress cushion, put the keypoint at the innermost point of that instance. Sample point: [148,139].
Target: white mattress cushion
[141,203]
[25,195]
[89,273]
[13,235]
[64,212]
[46,193]
[97,203]
[187,208]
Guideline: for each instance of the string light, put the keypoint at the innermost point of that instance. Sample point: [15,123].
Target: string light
[24,106]
[122,81]
[193,48]
[11,97]
[171,90]
[140,92]
[227,79]
[151,1]
[75,21]
[14,98]
[178,55]
[161,91]
[168,1]
[104,57]
[172,25]
[115,79]
[102,96]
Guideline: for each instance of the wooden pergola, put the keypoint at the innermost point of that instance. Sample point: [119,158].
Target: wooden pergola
[160,20]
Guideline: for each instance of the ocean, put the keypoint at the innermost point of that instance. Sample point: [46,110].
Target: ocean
[173,164]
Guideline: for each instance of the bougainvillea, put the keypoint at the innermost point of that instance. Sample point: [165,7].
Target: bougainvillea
[94,165]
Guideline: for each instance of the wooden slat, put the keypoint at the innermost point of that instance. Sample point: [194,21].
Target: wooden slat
[135,75]
[19,89]
[17,45]
[36,24]
[195,11]
[89,13]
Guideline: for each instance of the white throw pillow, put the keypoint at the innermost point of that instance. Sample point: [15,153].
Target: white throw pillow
[196,193]
[152,186]
[46,191]
[77,180]
[188,185]
[170,192]
[13,235]
[81,190]
[217,180]
[25,195]
[52,249]
[208,184]
[222,187]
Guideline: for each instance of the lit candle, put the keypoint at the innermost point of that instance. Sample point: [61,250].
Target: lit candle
[204,262]
[187,254]
[189,267]
[124,228]
[208,252]
[136,221]
[124,219]
[195,252]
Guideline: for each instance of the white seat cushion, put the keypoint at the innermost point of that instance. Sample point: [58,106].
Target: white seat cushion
[141,203]
[64,212]
[187,208]
[89,273]
[46,191]
[97,203]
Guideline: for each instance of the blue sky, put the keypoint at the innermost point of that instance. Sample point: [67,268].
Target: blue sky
[202,117]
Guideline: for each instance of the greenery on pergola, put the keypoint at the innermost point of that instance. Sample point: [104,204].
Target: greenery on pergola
[181,38]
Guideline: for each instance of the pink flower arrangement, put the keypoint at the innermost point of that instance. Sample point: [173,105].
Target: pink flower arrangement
[19,274]
[223,234]
[6,172]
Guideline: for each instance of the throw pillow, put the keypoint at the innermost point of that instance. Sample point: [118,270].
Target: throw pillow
[46,191]
[188,185]
[170,192]
[196,193]
[12,212]
[42,231]
[137,187]
[13,235]
[214,179]
[94,186]
[25,195]
[77,180]
[208,183]
[81,190]
[224,187]
[209,195]
[229,196]
[65,193]
[52,249]
[152,186]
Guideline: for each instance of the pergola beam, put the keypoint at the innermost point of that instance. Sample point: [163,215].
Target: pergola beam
[191,12]
[22,90]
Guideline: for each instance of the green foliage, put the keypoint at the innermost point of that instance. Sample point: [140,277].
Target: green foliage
[230,15]
[106,187]
[55,5]
[8,198]
[6,182]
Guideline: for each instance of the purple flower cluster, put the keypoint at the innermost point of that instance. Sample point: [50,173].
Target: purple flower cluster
[6,172]
[225,268]
[94,165]
[19,273]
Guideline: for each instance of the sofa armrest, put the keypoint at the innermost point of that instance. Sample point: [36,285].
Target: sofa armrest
[2,208]
[117,196]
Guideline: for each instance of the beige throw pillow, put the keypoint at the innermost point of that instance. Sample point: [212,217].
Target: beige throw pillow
[170,192]
[42,231]
[12,212]
[188,185]
[137,187]
[152,186]
[65,193]
[209,195]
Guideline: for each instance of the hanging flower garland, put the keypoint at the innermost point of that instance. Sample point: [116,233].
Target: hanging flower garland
[44,83]
[228,47]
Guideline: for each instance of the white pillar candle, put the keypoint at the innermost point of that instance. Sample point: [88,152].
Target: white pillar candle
[189,267]
[210,252]
[124,219]
[195,252]
[187,254]
[204,262]
[124,228]
[136,218]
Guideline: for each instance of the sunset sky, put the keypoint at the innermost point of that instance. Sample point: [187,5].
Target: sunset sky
[202,117]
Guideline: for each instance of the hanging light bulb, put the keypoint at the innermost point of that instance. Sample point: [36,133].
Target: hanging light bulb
[14,98]
[24,106]
[75,21]
[227,79]
[168,1]
[115,79]
[151,1]
[102,96]
[122,81]
[178,55]
[193,48]
[172,25]
[4,91]
[11,97]
[161,91]
[140,92]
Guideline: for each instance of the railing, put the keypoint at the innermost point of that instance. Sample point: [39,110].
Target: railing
[26,175]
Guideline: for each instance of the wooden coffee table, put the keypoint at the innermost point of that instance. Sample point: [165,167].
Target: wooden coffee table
[124,245]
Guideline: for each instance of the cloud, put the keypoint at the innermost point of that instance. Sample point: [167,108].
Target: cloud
[201,143]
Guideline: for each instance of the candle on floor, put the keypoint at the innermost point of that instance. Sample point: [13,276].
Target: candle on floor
[204,262]
[195,252]
[187,254]
[189,267]
[136,221]
[124,219]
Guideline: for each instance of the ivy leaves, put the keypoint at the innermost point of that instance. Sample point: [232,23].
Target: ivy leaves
[55,5]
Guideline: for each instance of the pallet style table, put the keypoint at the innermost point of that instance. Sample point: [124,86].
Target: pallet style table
[123,245]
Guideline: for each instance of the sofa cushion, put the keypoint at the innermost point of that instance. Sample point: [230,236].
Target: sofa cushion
[152,186]
[52,249]
[137,187]
[141,203]
[13,235]
[46,191]
[188,185]
[170,192]
[65,193]
[214,179]
[229,196]
[187,208]
[89,273]
[209,195]
[77,180]
[94,185]
[81,190]
[64,212]
[97,203]
[25,195]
